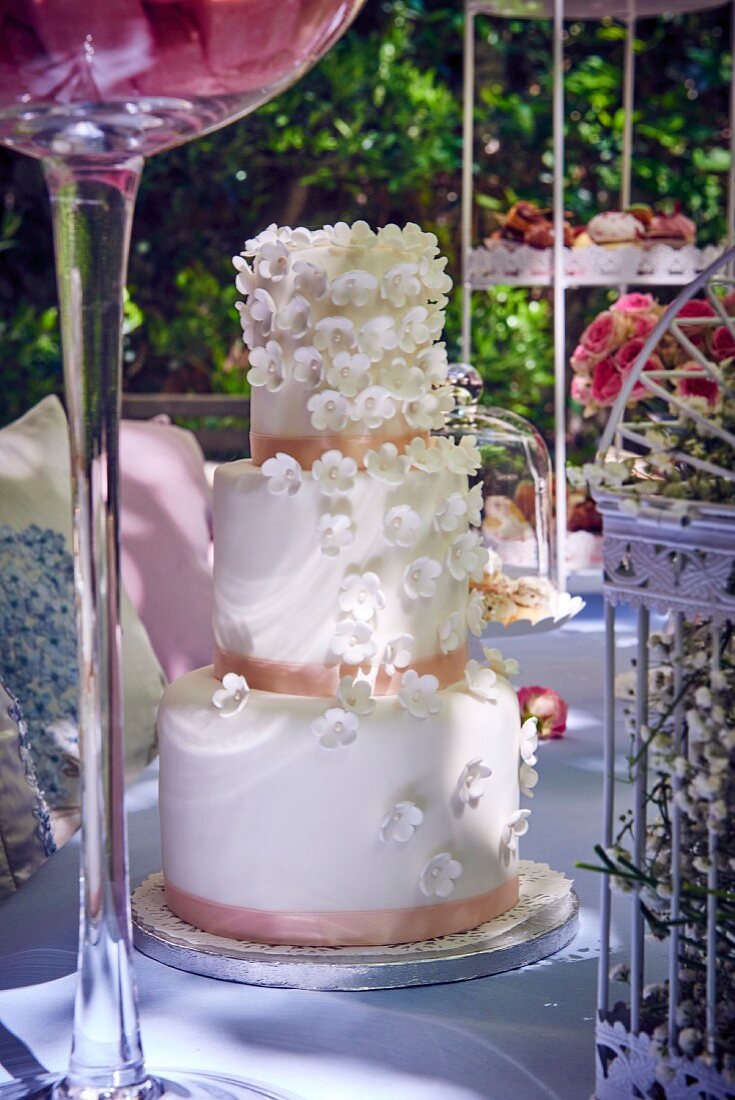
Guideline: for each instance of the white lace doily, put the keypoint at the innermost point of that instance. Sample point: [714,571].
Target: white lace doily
[506,262]
[543,921]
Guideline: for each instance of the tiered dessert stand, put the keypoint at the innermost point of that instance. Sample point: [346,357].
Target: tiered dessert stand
[559,267]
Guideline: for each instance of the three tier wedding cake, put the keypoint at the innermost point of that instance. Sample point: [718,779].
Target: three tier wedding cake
[343,774]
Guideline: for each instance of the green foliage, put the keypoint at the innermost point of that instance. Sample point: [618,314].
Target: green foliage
[512,348]
[374,132]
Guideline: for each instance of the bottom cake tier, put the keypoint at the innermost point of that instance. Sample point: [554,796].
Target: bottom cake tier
[278,828]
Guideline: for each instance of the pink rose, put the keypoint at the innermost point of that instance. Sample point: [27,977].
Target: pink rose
[604,334]
[729,304]
[582,362]
[643,324]
[581,389]
[546,705]
[606,382]
[695,307]
[723,343]
[634,303]
[625,360]
[698,387]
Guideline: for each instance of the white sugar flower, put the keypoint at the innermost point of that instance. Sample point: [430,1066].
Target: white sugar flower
[400,283]
[449,513]
[475,613]
[504,666]
[414,330]
[423,412]
[527,779]
[398,653]
[335,727]
[433,362]
[373,406]
[391,235]
[462,457]
[401,822]
[308,366]
[339,234]
[353,642]
[438,876]
[386,464]
[425,456]
[353,288]
[273,261]
[433,275]
[334,473]
[450,633]
[349,373]
[245,278]
[309,280]
[361,595]
[363,235]
[529,740]
[294,316]
[515,826]
[466,557]
[481,681]
[377,336]
[256,317]
[401,526]
[355,695]
[420,577]
[419,695]
[266,367]
[334,533]
[329,410]
[232,696]
[283,473]
[475,504]
[401,380]
[334,334]
[470,787]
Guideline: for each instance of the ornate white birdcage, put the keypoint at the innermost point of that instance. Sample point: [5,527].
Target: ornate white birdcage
[665,484]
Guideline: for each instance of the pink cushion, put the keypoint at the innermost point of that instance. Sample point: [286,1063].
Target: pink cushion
[165,534]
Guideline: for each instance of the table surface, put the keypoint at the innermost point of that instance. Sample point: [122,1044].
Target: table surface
[522,1035]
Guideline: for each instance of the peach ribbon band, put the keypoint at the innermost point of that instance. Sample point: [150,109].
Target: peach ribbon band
[366,928]
[306,449]
[322,681]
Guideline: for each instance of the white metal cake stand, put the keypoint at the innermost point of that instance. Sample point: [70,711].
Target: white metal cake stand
[544,921]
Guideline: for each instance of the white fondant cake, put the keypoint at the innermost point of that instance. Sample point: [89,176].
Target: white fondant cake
[342,774]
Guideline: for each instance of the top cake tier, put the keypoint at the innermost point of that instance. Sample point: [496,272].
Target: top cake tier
[342,324]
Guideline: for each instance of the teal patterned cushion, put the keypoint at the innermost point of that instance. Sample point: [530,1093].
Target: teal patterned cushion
[25,827]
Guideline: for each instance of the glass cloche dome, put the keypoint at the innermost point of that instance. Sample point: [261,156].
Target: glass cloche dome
[519,586]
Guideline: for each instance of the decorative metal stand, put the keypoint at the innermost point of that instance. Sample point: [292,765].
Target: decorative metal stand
[543,922]
[673,854]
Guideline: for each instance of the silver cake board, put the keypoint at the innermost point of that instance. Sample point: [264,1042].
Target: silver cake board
[544,921]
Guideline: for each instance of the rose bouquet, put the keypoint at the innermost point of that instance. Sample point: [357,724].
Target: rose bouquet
[609,347]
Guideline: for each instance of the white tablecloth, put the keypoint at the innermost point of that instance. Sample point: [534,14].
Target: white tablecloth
[517,1036]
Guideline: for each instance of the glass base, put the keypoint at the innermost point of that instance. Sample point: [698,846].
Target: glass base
[162,1085]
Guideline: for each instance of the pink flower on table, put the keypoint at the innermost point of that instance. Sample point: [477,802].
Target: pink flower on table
[605,333]
[703,386]
[633,303]
[723,343]
[728,303]
[548,707]
[626,358]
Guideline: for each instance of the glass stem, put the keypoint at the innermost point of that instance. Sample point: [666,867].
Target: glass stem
[92,207]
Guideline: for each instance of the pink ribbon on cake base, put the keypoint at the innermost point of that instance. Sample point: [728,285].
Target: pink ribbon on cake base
[322,681]
[306,449]
[367,928]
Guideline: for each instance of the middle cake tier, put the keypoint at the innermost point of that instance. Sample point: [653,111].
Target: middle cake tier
[338,567]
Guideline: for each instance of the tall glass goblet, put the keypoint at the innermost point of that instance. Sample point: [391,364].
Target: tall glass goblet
[91,87]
